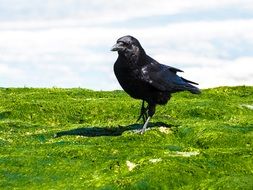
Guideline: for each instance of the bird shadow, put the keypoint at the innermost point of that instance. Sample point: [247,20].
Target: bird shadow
[108,131]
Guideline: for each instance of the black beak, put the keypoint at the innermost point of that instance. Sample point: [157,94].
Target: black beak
[118,47]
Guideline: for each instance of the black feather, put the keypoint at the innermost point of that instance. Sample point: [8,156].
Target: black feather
[144,78]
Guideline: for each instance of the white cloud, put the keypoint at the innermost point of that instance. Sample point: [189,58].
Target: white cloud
[6,70]
[65,50]
[46,13]
[222,73]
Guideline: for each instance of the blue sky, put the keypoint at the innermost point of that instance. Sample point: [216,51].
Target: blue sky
[66,43]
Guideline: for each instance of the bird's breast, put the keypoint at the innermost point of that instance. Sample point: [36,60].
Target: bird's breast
[129,79]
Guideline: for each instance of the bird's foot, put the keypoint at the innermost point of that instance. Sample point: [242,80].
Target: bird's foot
[140,131]
[144,128]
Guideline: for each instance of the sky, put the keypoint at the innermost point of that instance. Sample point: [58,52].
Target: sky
[66,43]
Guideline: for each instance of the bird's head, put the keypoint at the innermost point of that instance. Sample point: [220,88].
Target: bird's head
[128,46]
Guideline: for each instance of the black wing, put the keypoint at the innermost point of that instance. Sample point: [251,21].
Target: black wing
[164,78]
[154,62]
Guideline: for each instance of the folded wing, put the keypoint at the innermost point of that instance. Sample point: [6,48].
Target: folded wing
[164,78]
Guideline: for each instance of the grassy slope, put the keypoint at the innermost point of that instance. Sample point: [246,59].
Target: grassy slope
[101,146]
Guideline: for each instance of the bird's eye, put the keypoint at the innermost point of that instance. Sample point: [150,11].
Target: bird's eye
[127,44]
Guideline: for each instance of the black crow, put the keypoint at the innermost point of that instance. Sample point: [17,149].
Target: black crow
[144,78]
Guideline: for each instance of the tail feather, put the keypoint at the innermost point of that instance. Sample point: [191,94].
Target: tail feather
[185,80]
[193,89]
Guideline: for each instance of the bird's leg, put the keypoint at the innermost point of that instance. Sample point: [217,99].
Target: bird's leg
[151,112]
[145,125]
[143,113]
[145,116]
[142,108]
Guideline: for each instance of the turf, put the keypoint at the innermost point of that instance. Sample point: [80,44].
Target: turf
[82,139]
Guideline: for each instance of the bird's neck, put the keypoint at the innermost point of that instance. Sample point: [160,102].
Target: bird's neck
[134,60]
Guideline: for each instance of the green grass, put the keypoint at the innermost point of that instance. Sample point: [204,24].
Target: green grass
[194,142]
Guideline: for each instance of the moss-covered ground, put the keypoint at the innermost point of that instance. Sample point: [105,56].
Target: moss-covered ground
[81,139]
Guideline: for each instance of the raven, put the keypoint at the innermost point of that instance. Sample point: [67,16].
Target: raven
[144,78]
